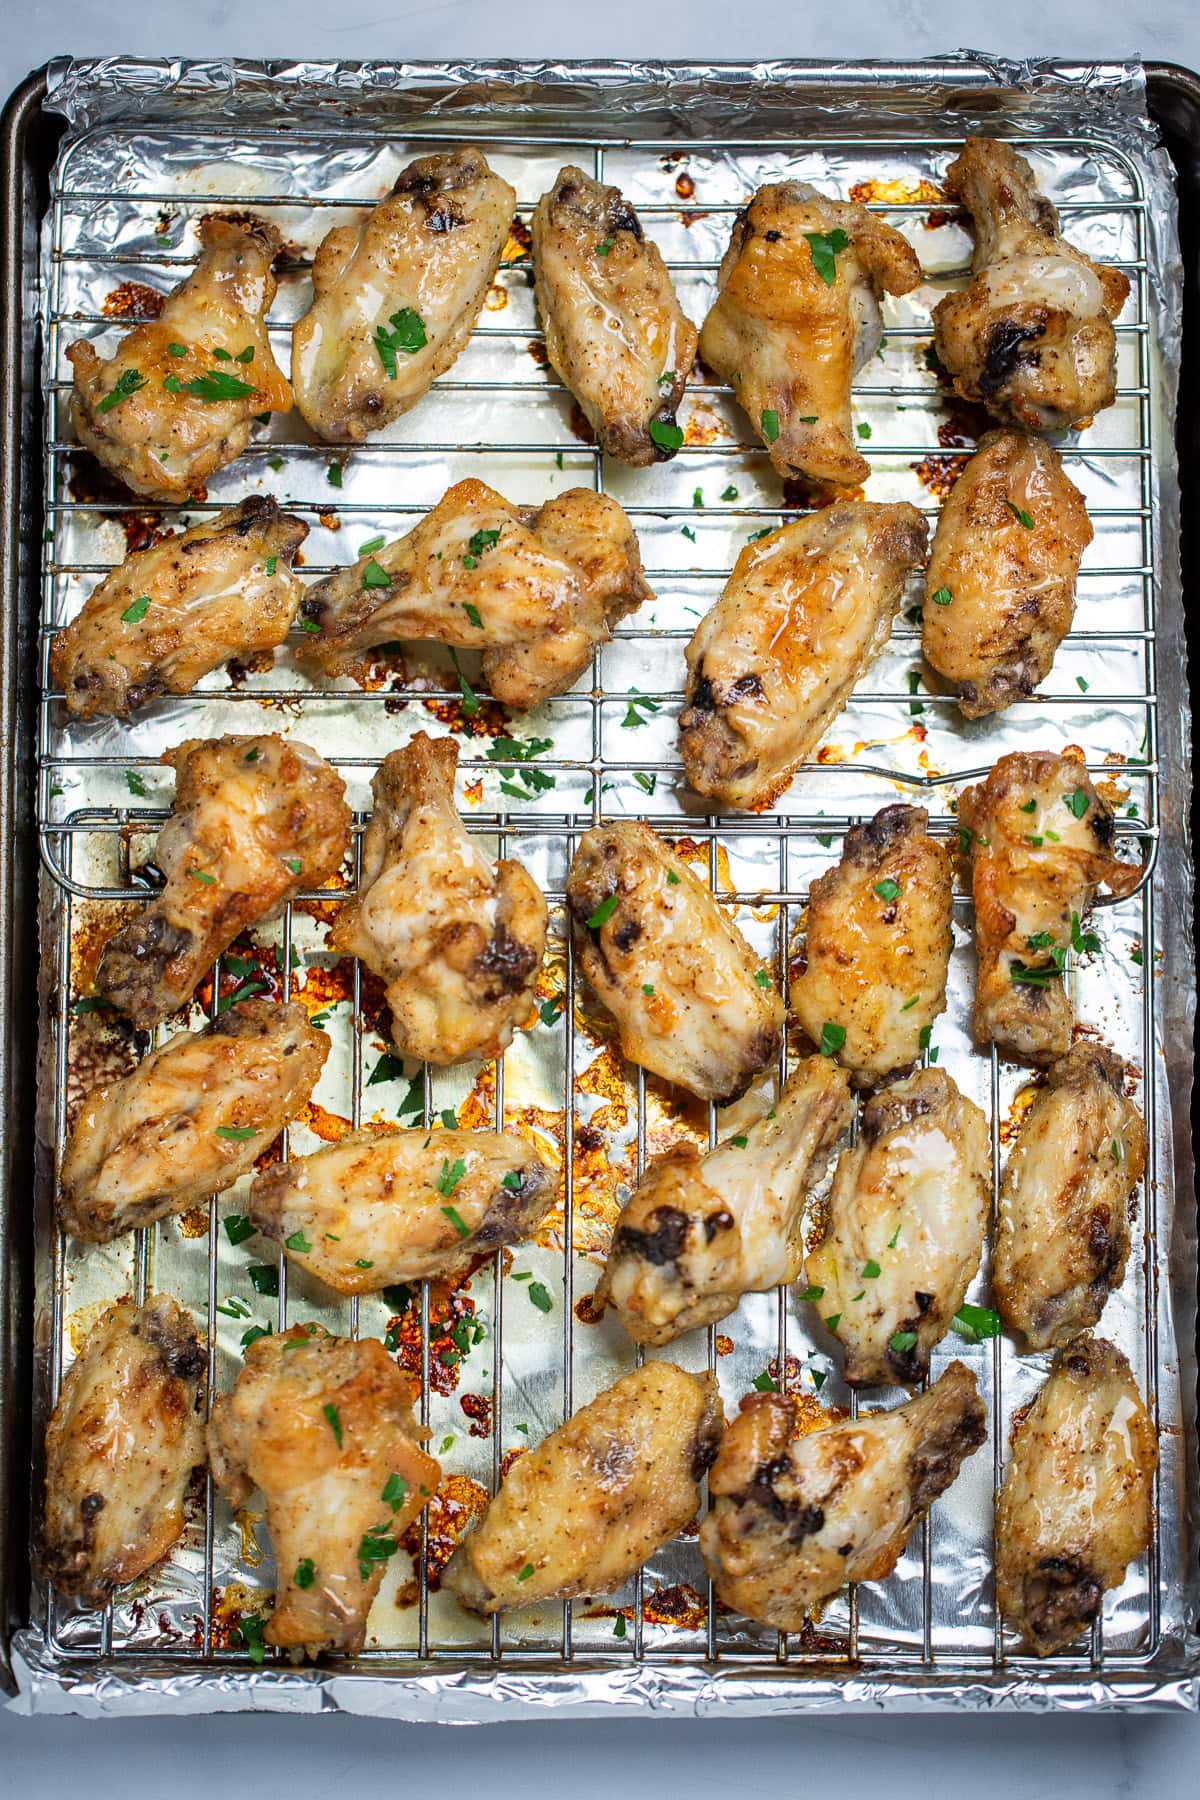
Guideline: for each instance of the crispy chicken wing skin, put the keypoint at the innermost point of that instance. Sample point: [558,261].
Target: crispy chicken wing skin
[907,1215]
[256,821]
[773,663]
[1076,1506]
[189,1121]
[669,964]
[1063,1237]
[457,939]
[171,614]
[1032,336]
[165,412]
[395,299]
[380,1207]
[121,1446]
[791,1520]
[701,1231]
[583,1511]
[1041,845]
[1000,587]
[795,318]
[536,589]
[615,332]
[879,943]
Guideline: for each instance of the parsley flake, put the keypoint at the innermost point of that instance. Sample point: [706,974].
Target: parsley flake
[826,247]
[136,610]
[335,1421]
[832,1038]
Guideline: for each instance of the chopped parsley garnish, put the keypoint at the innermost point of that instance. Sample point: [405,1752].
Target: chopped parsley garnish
[833,1321]
[762,978]
[220,355]
[407,335]
[894,1239]
[619,1626]
[250,1630]
[297,1242]
[1020,515]
[915,707]
[472,613]
[863,430]
[217,385]
[888,889]
[395,1492]
[293,863]
[526,1572]
[335,1421]
[603,913]
[454,1218]
[672,878]
[470,699]
[238,1228]
[264,1279]
[252,1335]
[237,1133]
[452,1173]
[766,1383]
[540,1297]
[812,1293]
[127,384]
[136,610]
[203,875]
[648,989]
[666,437]
[977,1322]
[306,1572]
[826,247]
[376,1546]
[1118,1151]
[1078,802]
[604,248]
[902,1340]
[942,597]
[173,384]
[647,783]
[1022,975]
[1081,684]
[511,1181]
[687,532]
[770,425]
[333,474]
[698,497]
[1083,941]
[739,1142]
[135,783]
[730,493]
[832,1038]
[177,349]
[391,1068]
[246,355]
[272,564]
[871,1270]
[549,1010]
[483,540]
[373,576]
[371,545]
[909,1004]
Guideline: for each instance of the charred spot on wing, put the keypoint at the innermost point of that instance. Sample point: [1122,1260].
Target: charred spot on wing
[1063,1596]
[623,218]
[799,1519]
[1005,353]
[663,1243]
[627,934]
[506,960]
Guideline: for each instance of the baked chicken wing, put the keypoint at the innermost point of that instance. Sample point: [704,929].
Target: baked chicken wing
[615,332]
[582,1512]
[176,401]
[256,821]
[323,1427]
[1031,337]
[395,299]
[457,940]
[690,998]
[773,663]
[1077,1502]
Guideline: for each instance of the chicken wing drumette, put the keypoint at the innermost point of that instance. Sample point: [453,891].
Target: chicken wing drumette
[323,1427]
[615,332]
[256,821]
[1041,845]
[701,1231]
[792,1519]
[166,411]
[121,1447]
[395,299]
[797,315]
[582,1512]
[457,940]
[1076,1507]
[691,1000]
[171,614]
[878,944]
[1063,1237]
[775,660]
[1032,336]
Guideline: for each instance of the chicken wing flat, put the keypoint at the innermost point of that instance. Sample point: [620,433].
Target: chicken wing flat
[395,299]
[121,1447]
[1031,337]
[1041,845]
[171,614]
[457,939]
[690,998]
[536,589]
[878,945]
[176,401]
[1077,1502]
[773,663]
[256,821]
[380,1207]
[189,1121]
[323,1427]
[701,1231]
[797,315]
[615,332]
[582,1512]
[1000,587]
[907,1215]
[792,1519]
[1063,1237]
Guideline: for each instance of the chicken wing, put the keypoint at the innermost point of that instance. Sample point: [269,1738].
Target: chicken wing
[457,940]
[121,1447]
[171,614]
[791,1519]
[1077,1502]
[396,298]
[878,945]
[1031,337]
[1000,587]
[691,1000]
[380,1207]
[582,1512]
[797,315]
[323,1427]
[907,1215]
[773,663]
[176,401]
[536,589]
[615,333]
[256,821]
[1041,841]
[701,1231]
[1063,1236]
